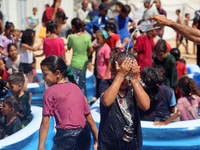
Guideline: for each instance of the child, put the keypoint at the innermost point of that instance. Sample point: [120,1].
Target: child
[179,20]
[12,123]
[36,78]
[167,61]
[185,22]
[33,20]
[26,53]
[144,47]
[65,102]
[4,74]
[122,24]
[120,126]
[187,106]
[6,39]
[80,42]
[17,34]
[111,28]
[181,67]
[16,83]
[13,58]
[162,97]
[103,62]
[53,45]
[118,7]
[65,28]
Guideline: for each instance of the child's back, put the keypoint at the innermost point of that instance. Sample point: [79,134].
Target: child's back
[25,109]
[189,106]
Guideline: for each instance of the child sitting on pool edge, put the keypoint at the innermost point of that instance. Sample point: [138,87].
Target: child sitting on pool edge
[16,83]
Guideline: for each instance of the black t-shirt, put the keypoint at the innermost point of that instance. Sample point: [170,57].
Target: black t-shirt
[25,109]
[13,127]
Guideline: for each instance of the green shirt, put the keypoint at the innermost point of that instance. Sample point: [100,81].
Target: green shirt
[169,64]
[80,44]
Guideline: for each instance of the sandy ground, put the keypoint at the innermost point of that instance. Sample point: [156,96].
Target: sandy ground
[190,58]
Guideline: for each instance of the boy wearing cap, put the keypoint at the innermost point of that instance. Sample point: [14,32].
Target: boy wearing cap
[122,24]
[99,21]
[150,11]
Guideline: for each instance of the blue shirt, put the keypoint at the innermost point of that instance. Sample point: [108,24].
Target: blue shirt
[96,24]
[122,28]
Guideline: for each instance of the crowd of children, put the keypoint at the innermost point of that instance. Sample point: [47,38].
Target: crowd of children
[138,78]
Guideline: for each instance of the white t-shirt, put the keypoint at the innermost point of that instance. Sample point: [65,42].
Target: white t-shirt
[13,65]
[26,57]
[81,14]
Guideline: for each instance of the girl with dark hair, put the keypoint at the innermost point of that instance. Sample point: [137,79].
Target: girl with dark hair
[13,58]
[167,61]
[9,109]
[26,53]
[162,97]
[188,105]
[120,126]
[66,103]
[80,42]
[65,28]
[53,45]
[7,38]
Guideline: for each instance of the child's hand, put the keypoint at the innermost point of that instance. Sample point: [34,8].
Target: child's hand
[125,67]
[135,70]
[157,123]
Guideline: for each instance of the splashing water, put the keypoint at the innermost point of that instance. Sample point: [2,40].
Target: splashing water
[137,29]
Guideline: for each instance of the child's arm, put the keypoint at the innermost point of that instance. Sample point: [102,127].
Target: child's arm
[63,57]
[91,50]
[28,21]
[132,24]
[30,96]
[2,52]
[141,96]
[110,94]
[93,129]
[174,116]
[126,40]
[32,48]
[20,115]
[44,127]
[107,70]
[40,55]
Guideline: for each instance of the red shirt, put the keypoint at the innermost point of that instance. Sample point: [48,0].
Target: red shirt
[53,47]
[112,42]
[4,75]
[181,69]
[168,47]
[49,12]
[67,104]
[144,46]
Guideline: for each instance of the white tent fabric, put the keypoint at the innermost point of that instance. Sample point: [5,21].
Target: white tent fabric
[170,6]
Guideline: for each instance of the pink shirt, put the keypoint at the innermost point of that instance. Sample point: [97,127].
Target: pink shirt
[53,47]
[67,104]
[189,106]
[102,64]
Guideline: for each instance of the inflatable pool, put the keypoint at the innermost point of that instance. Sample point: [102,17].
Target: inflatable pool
[184,135]
[28,137]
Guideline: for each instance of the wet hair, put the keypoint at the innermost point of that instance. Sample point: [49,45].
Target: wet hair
[119,57]
[77,23]
[9,25]
[16,79]
[13,102]
[9,46]
[188,86]
[54,63]
[51,25]
[178,10]
[61,14]
[111,24]
[126,9]
[183,61]
[161,71]
[151,77]
[119,4]
[161,46]
[176,53]
[27,37]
